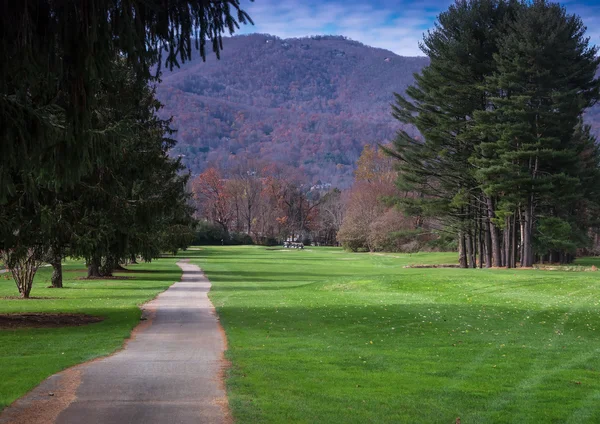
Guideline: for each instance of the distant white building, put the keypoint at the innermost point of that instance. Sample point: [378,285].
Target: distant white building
[323,186]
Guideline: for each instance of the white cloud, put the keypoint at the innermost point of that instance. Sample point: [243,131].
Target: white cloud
[396,25]
[398,28]
[590,14]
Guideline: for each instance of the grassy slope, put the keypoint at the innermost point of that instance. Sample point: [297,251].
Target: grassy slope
[325,336]
[30,355]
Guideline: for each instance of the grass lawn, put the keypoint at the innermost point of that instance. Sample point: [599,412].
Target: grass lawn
[28,356]
[323,336]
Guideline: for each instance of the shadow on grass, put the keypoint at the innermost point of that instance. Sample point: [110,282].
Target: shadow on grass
[131,288]
[260,276]
[234,288]
[149,271]
[445,322]
[589,261]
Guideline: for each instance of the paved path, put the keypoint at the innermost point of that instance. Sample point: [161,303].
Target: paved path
[3,270]
[168,373]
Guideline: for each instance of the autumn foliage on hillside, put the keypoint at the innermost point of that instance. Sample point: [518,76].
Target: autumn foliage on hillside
[308,103]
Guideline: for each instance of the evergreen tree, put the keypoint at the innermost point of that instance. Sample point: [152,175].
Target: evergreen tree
[441,105]
[504,160]
[55,57]
[54,129]
[128,204]
[544,80]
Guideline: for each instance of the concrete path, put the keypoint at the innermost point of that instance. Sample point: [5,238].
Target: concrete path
[4,270]
[170,372]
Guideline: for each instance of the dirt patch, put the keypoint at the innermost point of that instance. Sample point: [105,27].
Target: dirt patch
[43,320]
[29,298]
[433,266]
[106,278]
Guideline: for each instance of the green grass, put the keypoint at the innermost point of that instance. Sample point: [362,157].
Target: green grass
[28,356]
[323,336]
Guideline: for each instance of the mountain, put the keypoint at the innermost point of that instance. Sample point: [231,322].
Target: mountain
[308,104]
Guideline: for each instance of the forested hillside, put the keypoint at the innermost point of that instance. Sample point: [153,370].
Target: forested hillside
[310,103]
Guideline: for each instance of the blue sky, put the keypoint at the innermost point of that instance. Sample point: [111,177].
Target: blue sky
[396,25]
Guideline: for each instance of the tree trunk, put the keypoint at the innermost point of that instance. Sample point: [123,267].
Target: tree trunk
[513,238]
[471,254]
[462,254]
[57,274]
[527,258]
[494,235]
[481,247]
[488,244]
[107,268]
[469,248]
[94,268]
[570,258]
[249,220]
[508,244]
[503,245]
[521,252]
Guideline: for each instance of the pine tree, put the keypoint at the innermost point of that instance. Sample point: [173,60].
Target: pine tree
[545,78]
[442,103]
[504,161]
[58,58]
[126,207]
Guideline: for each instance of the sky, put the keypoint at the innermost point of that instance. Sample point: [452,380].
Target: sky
[396,25]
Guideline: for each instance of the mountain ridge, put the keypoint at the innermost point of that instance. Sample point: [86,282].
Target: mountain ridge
[306,104]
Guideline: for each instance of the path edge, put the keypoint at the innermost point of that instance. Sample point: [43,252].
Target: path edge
[27,408]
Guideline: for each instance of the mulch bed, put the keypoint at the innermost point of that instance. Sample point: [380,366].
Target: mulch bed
[433,266]
[29,298]
[45,320]
[106,278]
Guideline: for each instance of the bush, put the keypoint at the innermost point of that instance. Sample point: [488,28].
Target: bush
[210,234]
[444,242]
[240,239]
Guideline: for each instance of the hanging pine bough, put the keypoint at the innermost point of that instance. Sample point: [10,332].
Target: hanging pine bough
[22,267]
[62,128]
[55,56]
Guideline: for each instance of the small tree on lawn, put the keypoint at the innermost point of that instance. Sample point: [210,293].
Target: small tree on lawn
[22,266]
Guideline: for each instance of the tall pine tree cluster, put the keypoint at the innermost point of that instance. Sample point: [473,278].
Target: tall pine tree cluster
[85,169]
[505,161]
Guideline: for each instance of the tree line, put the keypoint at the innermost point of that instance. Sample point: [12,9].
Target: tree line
[85,167]
[262,203]
[504,160]
[502,168]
